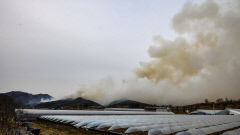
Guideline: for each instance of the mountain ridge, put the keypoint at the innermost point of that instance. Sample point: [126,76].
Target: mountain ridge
[127,103]
[77,103]
[27,99]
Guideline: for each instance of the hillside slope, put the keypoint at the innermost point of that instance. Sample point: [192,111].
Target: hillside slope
[27,99]
[126,103]
[78,103]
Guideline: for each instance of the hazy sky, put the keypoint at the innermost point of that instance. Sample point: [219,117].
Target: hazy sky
[54,46]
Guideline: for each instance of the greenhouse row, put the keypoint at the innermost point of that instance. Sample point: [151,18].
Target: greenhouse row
[150,124]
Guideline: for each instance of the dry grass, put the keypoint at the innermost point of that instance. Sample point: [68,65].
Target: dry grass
[48,128]
[7,124]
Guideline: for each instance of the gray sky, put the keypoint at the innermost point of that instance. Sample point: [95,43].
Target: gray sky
[54,46]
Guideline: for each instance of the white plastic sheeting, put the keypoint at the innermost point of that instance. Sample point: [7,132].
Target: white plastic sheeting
[233,132]
[86,112]
[234,111]
[123,109]
[207,112]
[153,124]
[211,129]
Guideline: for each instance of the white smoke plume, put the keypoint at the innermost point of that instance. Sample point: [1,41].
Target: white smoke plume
[203,62]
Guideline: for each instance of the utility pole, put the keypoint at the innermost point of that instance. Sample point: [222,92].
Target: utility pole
[213,108]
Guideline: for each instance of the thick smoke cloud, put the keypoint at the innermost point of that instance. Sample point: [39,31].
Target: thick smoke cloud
[203,62]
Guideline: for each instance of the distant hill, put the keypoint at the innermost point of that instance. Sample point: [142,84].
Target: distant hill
[27,99]
[4,99]
[78,103]
[126,103]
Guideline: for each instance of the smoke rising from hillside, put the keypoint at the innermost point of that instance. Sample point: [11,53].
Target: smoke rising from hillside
[203,62]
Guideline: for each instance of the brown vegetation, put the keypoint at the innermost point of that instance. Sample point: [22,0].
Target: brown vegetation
[49,128]
[6,115]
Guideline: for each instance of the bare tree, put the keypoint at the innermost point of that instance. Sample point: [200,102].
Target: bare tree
[219,100]
[206,101]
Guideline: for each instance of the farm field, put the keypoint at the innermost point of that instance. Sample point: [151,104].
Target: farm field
[127,122]
[48,128]
[151,124]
